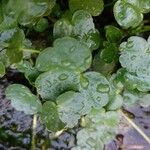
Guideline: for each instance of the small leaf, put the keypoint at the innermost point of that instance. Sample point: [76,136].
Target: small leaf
[100,128]
[126,14]
[70,105]
[94,7]
[30,72]
[145,100]
[2,69]
[65,53]
[95,87]
[49,116]
[41,25]
[113,34]
[54,82]
[22,99]
[109,53]
[62,28]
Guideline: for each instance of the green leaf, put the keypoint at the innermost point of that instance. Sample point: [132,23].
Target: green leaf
[22,99]
[65,53]
[135,58]
[116,102]
[81,27]
[109,53]
[83,22]
[126,14]
[95,87]
[12,41]
[94,7]
[145,101]
[142,5]
[101,66]
[49,117]
[2,69]
[70,105]
[100,128]
[55,82]
[62,28]
[41,25]
[131,97]
[30,72]
[113,34]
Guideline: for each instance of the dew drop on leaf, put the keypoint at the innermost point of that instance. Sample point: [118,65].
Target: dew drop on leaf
[66,63]
[102,88]
[63,76]
[129,44]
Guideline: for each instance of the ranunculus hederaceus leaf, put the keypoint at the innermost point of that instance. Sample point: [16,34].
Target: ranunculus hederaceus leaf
[135,58]
[100,128]
[94,7]
[81,27]
[65,53]
[49,117]
[22,99]
[55,82]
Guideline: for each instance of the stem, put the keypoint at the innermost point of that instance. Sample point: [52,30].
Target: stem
[30,50]
[34,124]
[136,127]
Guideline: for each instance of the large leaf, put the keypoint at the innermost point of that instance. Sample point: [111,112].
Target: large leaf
[95,87]
[2,69]
[100,128]
[67,52]
[54,82]
[126,14]
[94,7]
[22,99]
[135,58]
[49,116]
[27,12]
[70,105]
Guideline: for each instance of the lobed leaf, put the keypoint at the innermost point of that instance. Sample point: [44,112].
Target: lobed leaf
[22,99]
[65,53]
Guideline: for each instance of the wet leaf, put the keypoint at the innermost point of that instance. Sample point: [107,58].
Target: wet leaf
[100,128]
[95,87]
[109,53]
[81,27]
[22,99]
[49,117]
[113,34]
[126,14]
[70,105]
[94,7]
[65,53]
[29,71]
[55,82]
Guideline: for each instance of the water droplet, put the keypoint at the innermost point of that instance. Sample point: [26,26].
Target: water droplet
[133,57]
[66,63]
[129,44]
[103,88]
[63,76]
[121,15]
[84,83]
